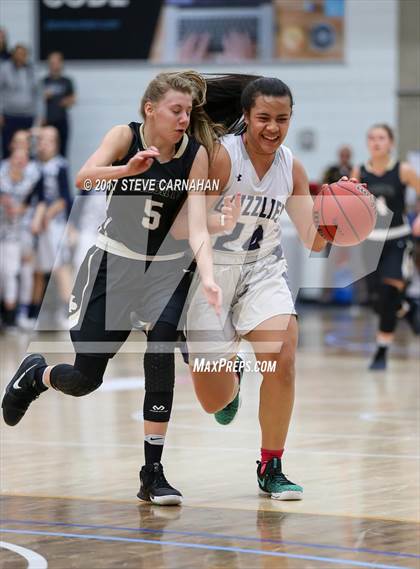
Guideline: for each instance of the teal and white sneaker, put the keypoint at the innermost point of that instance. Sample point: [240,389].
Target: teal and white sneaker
[273,482]
[226,415]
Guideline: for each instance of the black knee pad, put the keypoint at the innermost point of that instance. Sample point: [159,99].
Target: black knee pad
[159,360]
[157,406]
[159,372]
[79,379]
[390,302]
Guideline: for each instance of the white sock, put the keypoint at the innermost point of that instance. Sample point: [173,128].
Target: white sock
[155,439]
[43,378]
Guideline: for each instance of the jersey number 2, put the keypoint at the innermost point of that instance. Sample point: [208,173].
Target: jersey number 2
[250,245]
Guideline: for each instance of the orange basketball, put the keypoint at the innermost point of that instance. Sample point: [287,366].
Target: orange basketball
[345,213]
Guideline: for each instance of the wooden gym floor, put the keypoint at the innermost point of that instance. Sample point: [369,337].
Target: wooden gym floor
[70,468]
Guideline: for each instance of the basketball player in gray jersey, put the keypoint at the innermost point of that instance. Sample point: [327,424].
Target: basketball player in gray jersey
[251,270]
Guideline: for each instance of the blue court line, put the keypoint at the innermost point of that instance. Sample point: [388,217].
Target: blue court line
[221,536]
[334,560]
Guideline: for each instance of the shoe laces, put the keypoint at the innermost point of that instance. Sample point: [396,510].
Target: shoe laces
[159,477]
[29,393]
[274,472]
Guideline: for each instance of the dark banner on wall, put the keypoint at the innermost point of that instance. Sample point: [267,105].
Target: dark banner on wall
[97,29]
[193,31]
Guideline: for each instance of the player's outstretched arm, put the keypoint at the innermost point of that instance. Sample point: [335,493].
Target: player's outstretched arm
[299,207]
[199,237]
[114,147]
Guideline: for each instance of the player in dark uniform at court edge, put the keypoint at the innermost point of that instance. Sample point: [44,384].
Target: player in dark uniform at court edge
[387,179]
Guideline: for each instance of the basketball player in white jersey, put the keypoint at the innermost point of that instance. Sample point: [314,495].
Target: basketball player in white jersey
[251,270]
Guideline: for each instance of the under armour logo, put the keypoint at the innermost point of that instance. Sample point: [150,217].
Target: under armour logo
[238,177]
[158,408]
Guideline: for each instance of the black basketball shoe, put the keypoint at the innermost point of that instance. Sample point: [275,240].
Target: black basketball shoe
[155,488]
[21,390]
[379,361]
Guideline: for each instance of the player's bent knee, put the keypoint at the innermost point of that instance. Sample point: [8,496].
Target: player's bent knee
[81,379]
[70,381]
[282,368]
[211,406]
[213,391]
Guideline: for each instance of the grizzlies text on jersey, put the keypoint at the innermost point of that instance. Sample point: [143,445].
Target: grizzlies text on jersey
[258,231]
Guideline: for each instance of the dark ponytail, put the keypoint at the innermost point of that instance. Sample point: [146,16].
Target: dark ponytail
[223,98]
[229,96]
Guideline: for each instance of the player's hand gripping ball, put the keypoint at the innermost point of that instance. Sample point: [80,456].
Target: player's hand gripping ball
[344,212]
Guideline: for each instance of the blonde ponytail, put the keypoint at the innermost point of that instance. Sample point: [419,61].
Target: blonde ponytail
[201,126]
[216,99]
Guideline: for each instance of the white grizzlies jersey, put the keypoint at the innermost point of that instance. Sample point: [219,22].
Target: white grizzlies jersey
[258,231]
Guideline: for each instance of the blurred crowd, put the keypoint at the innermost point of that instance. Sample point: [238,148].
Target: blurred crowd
[26,100]
[38,241]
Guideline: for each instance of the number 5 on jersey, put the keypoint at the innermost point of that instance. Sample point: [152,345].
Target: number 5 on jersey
[152,217]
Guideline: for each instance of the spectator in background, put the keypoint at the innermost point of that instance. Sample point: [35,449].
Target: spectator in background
[59,96]
[343,168]
[4,52]
[19,96]
[22,140]
[18,188]
[51,252]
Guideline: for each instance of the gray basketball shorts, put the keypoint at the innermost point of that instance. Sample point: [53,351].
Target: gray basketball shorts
[252,293]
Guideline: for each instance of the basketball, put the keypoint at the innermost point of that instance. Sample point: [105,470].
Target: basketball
[345,213]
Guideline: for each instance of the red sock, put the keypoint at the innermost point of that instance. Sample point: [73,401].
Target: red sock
[267,455]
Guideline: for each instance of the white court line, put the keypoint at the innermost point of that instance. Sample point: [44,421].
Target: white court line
[214,449]
[35,561]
